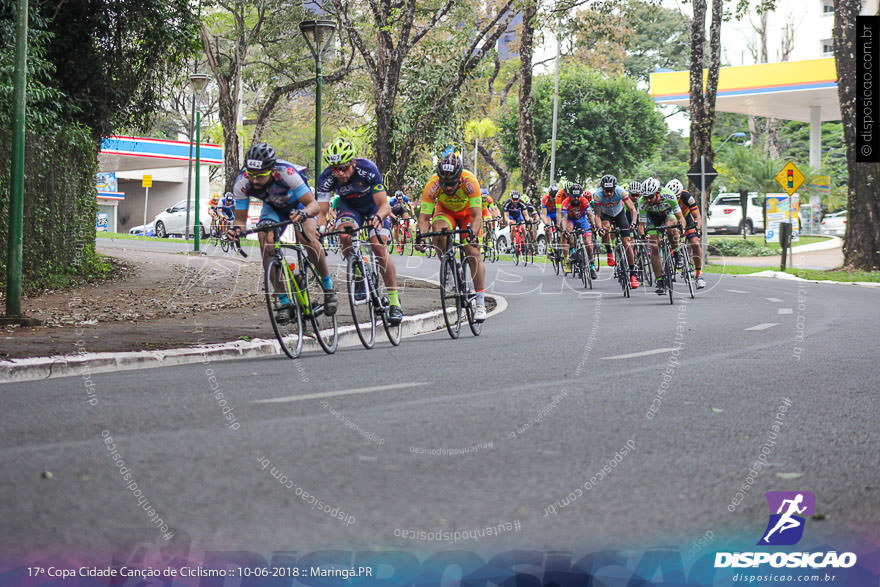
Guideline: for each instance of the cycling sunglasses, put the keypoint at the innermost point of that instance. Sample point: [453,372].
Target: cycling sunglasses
[259,175]
[340,168]
[450,184]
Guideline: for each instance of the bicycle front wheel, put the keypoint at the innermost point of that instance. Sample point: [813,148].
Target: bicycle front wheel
[362,311]
[325,327]
[382,305]
[469,298]
[284,313]
[668,272]
[690,274]
[449,296]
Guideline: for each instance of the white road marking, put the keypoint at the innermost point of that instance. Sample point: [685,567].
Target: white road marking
[299,398]
[773,300]
[641,354]
[736,291]
[764,326]
[785,311]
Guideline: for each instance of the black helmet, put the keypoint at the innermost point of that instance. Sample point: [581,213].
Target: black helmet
[449,167]
[575,190]
[608,182]
[260,157]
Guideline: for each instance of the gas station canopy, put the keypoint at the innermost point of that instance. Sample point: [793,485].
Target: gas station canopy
[786,90]
[120,153]
[791,90]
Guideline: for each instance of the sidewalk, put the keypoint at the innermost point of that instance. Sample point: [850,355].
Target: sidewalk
[815,256]
[167,301]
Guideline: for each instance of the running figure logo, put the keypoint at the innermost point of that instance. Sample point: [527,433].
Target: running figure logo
[786,525]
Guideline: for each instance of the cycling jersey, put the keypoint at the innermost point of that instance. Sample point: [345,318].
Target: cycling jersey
[399,205]
[515,209]
[575,208]
[667,206]
[466,196]
[283,191]
[688,205]
[610,205]
[533,212]
[358,192]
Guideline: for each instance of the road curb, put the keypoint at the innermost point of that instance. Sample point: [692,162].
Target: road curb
[86,364]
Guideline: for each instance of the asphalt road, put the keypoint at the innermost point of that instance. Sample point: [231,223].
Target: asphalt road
[508,430]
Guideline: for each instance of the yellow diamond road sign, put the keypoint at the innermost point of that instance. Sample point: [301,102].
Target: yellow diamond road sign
[790,178]
[147,181]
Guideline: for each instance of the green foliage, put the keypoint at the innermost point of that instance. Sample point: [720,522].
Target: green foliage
[740,168]
[605,125]
[670,161]
[735,247]
[660,38]
[59,207]
[111,57]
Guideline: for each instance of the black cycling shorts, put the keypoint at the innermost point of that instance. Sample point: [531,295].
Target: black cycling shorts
[620,221]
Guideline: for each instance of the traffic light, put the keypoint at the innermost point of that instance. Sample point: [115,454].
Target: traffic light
[791,179]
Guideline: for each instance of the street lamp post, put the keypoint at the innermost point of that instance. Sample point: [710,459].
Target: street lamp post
[318,34]
[730,136]
[199,81]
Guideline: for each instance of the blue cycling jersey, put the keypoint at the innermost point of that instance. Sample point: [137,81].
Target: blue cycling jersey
[282,192]
[358,192]
[611,205]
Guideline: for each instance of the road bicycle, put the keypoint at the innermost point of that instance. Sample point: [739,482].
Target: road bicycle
[577,258]
[667,260]
[294,293]
[367,294]
[489,249]
[621,268]
[457,293]
[403,242]
[554,247]
[520,242]
[688,272]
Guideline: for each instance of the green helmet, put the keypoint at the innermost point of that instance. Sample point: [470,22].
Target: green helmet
[339,152]
[334,203]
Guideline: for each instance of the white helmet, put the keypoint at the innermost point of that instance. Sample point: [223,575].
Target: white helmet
[674,186]
[650,186]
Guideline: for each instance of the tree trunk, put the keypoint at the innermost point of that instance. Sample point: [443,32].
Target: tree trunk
[527,155]
[862,240]
[227,81]
[698,41]
[497,189]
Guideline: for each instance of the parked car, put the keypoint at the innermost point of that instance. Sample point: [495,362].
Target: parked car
[725,214]
[502,237]
[834,224]
[173,219]
[143,229]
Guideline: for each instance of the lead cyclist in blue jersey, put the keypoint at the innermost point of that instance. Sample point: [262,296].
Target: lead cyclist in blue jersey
[284,194]
[358,183]
[609,201]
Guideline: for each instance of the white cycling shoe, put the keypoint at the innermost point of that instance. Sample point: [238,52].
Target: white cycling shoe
[479,313]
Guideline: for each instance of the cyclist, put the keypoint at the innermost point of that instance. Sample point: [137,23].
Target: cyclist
[226,208]
[549,206]
[284,194]
[658,207]
[358,183]
[215,216]
[576,213]
[515,210]
[451,199]
[401,213]
[534,218]
[610,199]
[693,228]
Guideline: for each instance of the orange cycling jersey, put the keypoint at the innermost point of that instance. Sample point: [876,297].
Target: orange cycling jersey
[466,196]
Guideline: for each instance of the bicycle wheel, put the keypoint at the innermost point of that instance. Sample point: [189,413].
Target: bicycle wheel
[668,271]
[224,243]
[449,296]
[597,254]
[408,244]
[622,269]
[582,266]
[517,249]
[553,255]
[325,327]
[469,297]
[362,311]
[286,317]
[382,305]
[688,272]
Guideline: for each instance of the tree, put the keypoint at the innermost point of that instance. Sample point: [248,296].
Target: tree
[658,38]
[527,155]
[111,57]
[247,41]
[862,241]
[702,105]
[606,124]
[386,33]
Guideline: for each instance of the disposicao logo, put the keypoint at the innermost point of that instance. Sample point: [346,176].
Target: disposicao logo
[785,527]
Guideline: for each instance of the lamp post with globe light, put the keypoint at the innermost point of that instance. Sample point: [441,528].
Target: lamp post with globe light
[199,81]
[318,34]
